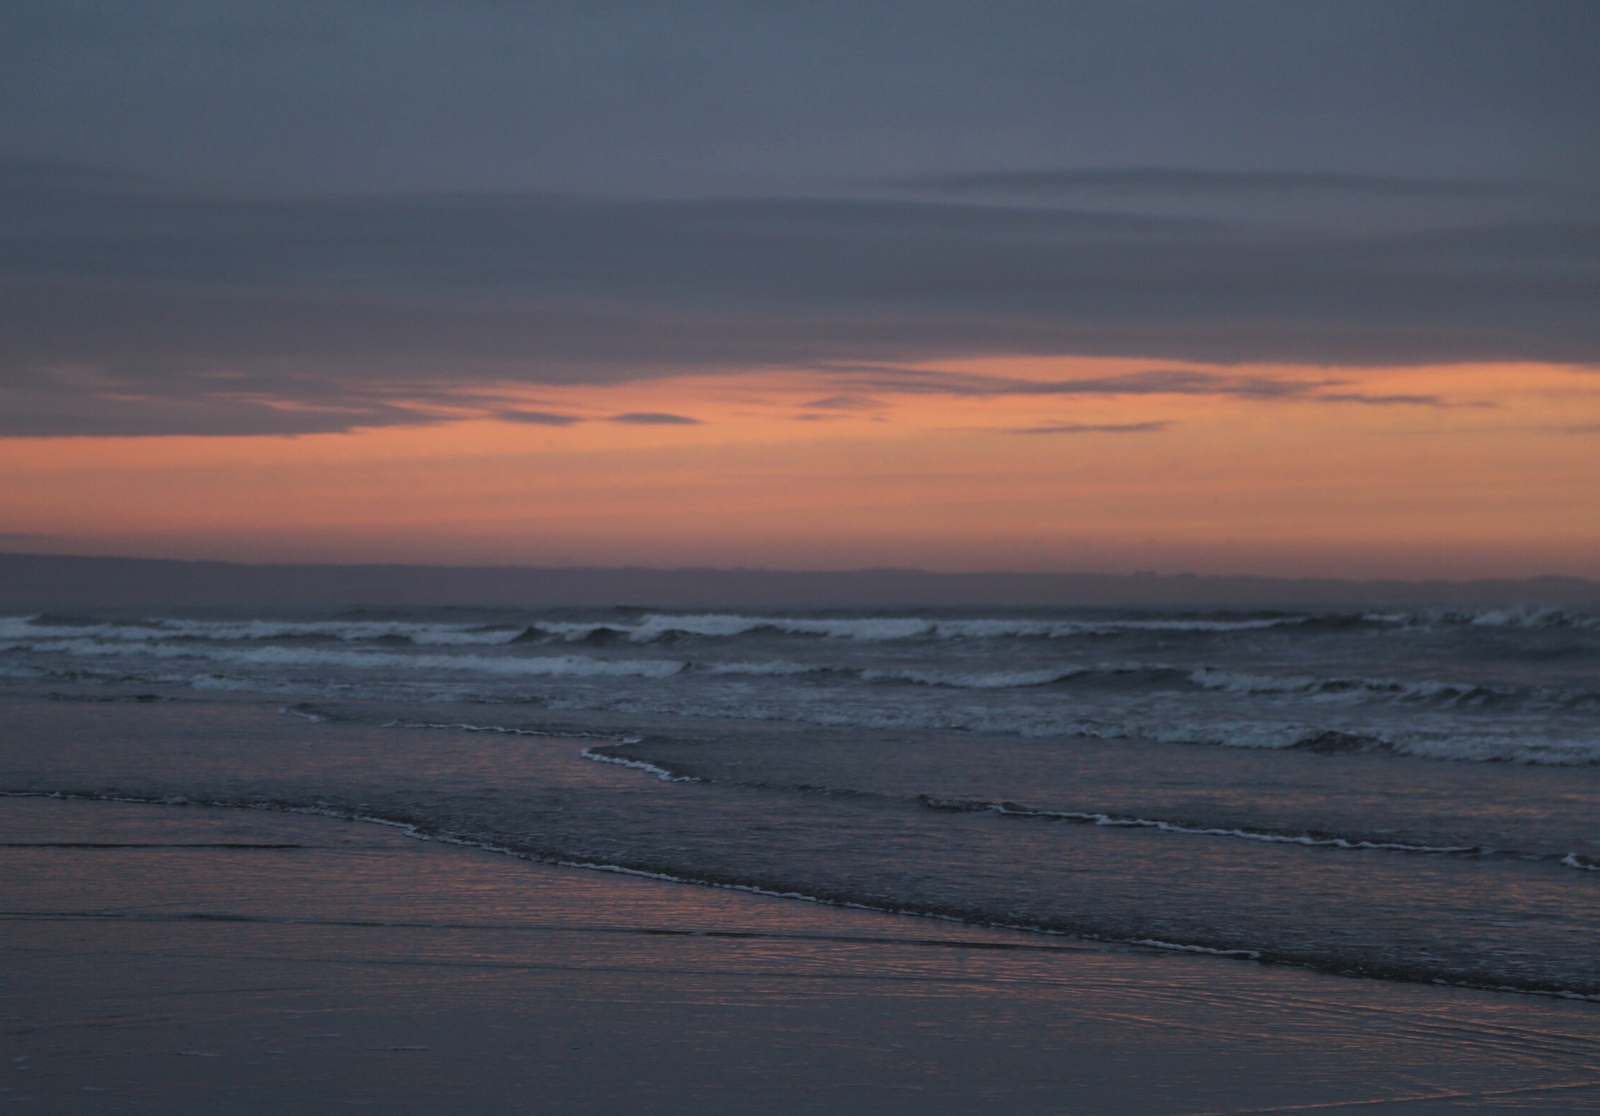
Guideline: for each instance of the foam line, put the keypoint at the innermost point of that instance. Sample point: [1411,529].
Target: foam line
[1127,821]
[639,765]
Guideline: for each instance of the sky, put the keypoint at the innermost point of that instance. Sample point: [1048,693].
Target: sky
[1244,286]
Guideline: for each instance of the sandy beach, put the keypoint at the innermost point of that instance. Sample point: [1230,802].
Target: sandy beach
[195,959]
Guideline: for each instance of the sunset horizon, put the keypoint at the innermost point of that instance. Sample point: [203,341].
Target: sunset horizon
[1275,319]
[1030,464]
[872,558]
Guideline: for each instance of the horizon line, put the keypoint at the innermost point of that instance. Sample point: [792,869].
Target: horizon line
[1132,575]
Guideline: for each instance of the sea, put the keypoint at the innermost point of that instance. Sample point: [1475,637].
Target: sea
[1391,795]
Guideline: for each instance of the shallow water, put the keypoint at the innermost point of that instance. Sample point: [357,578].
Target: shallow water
[186,959]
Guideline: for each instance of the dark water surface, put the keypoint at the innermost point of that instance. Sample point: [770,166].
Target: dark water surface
[1413,797]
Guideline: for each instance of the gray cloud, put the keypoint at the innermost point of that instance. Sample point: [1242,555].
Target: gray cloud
[1148,382]
[124,309]
[655,418]
[136,398]
[1155,381]
[537,418]
[289,216]
[1395,400]
[686,97]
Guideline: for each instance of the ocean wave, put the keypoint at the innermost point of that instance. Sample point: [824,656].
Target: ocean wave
[977,680]
[648,629]
[1571,742]
[32,628]
[553,666]
[1516,742]
[1015,679]
[1531,619]
[568,666]
[654,626]
[1355,688]
[562,666]
[777,668]
[982,689]
[658,626]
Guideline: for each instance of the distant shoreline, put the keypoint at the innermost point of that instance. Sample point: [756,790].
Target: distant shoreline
[46,581]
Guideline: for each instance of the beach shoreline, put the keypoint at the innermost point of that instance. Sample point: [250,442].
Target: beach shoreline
[205,958]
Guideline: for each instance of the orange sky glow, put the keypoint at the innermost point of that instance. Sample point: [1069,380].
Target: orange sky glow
[1466,470]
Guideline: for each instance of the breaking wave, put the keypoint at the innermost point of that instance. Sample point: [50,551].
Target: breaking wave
[886,629]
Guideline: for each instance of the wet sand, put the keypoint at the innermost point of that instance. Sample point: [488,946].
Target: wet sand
[167,959]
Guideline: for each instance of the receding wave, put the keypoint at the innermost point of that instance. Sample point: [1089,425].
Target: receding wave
[468,832]
[1250,833]
[1128,821]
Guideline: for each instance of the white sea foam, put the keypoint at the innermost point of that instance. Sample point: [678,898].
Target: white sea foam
[307,714]
[777,668]
[854,674]
[1351,688]
[1523,618]
[1532,618]
[1126,821]
[886,629]
[30,628]
[561,666]
[504,730]
[654,626]
[621,761]
[558,666]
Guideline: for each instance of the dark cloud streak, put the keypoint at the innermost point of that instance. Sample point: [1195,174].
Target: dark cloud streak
[1394,400]
[1097,428]
[654,418]
[537,418]
[291,216]
[268,315]
[1156,381]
